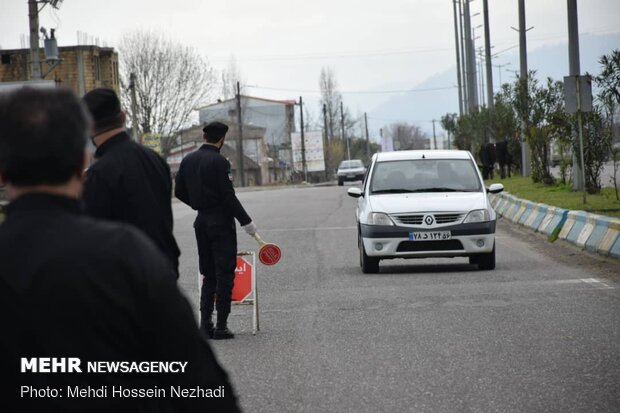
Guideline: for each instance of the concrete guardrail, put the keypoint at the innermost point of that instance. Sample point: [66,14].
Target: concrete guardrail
[592,232]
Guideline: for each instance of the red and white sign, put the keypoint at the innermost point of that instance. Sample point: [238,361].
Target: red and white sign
[269,254]
[244,273]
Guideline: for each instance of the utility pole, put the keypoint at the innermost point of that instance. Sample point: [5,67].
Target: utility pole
[499,72]
[458,58]
[240,140]
[487,53]
[481,78]
[134,107]
[367,138]
[325,141]
[471,60]
[463,60]
[525,148]
[303,140]
[434,137]
[342,128]
[574,70]
[33,17]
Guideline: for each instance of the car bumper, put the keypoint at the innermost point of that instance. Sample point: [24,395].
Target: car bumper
[351,178]
[393,242]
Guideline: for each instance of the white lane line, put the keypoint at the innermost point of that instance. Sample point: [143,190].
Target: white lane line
[308,229]
[593,282]
[597,283]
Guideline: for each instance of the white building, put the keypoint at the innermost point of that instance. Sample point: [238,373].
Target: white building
[276,116]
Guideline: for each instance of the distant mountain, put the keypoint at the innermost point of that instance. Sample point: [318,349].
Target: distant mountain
[548,61]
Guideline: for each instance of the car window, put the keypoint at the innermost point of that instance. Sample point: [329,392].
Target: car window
[425,175]
[354,163]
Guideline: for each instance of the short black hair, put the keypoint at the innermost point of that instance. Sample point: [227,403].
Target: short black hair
[43,135]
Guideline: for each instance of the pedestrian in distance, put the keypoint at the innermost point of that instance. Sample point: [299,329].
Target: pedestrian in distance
[72,286]
[204,183]
[128,182]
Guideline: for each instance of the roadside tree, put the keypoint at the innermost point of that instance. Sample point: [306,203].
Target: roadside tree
[172,80]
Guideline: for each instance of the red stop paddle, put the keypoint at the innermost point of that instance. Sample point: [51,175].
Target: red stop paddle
[269,254]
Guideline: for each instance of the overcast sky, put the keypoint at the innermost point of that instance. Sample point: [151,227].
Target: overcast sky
[283,44]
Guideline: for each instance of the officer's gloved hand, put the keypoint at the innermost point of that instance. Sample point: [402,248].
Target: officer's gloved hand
[250,228]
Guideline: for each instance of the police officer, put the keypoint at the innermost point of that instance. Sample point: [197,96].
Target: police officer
[128,182]
[204,183]
[74,286]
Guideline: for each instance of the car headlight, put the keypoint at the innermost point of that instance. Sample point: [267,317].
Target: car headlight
[379,218]
[477,215]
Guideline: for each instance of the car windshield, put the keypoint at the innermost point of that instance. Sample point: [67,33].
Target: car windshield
[425,175]
[354,163]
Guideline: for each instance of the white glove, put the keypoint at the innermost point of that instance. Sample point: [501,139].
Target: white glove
[250,228]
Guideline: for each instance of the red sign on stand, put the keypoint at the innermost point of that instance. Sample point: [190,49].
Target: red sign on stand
[244,272]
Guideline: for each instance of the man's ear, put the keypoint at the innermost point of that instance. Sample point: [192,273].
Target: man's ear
[124,117]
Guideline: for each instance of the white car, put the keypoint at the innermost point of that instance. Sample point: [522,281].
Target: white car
[351,170]
[425,203]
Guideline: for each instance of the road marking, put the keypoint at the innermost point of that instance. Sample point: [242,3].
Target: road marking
[595,282]
[308,229]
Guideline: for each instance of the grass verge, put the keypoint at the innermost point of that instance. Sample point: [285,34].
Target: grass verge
[561,196]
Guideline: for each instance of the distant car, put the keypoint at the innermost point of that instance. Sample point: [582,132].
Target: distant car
[351,170]
[424,203]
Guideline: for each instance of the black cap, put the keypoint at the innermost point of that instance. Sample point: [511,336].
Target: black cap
[215,130]
[103,104]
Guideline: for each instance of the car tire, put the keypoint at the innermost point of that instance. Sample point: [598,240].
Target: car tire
[340,182]
[486,261]
[369,265]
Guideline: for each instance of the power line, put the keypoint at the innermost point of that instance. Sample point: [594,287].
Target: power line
[352,92]
[341,54]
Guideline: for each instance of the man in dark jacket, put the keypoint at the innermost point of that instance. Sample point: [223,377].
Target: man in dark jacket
[75,287]
[128,182]
[204,183]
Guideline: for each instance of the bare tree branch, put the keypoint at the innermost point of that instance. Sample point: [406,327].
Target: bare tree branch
[172,80]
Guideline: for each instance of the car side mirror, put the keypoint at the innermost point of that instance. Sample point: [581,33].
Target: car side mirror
[495,188]
[355,192]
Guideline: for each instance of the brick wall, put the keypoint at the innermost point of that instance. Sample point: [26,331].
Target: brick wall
[82,68]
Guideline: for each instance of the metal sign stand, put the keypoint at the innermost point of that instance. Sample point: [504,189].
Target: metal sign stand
[254,296]
[253,300]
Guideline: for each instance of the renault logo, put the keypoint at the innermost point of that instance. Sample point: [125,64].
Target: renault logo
[428,220]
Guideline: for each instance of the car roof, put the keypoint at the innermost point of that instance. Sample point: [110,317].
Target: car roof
[422,154]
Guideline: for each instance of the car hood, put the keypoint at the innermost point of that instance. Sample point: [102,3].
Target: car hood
[428,202]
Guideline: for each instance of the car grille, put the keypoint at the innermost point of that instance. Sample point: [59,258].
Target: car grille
[447,218]
[415,246]
[410,219]
[418,219]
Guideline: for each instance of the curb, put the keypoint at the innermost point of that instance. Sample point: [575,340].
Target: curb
[591,232]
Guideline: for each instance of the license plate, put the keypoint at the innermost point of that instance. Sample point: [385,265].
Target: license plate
[430,236]
[350,176]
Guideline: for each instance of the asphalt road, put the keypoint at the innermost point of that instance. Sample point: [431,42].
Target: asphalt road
[541,333]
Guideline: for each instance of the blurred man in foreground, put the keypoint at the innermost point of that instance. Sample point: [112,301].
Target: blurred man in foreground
[75,287]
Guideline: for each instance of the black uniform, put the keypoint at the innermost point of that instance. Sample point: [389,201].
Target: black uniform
[204,183]
[72,286]
[131,183]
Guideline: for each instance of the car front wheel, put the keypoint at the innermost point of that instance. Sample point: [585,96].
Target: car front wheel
[340,181]
[486,261]
[369,265]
